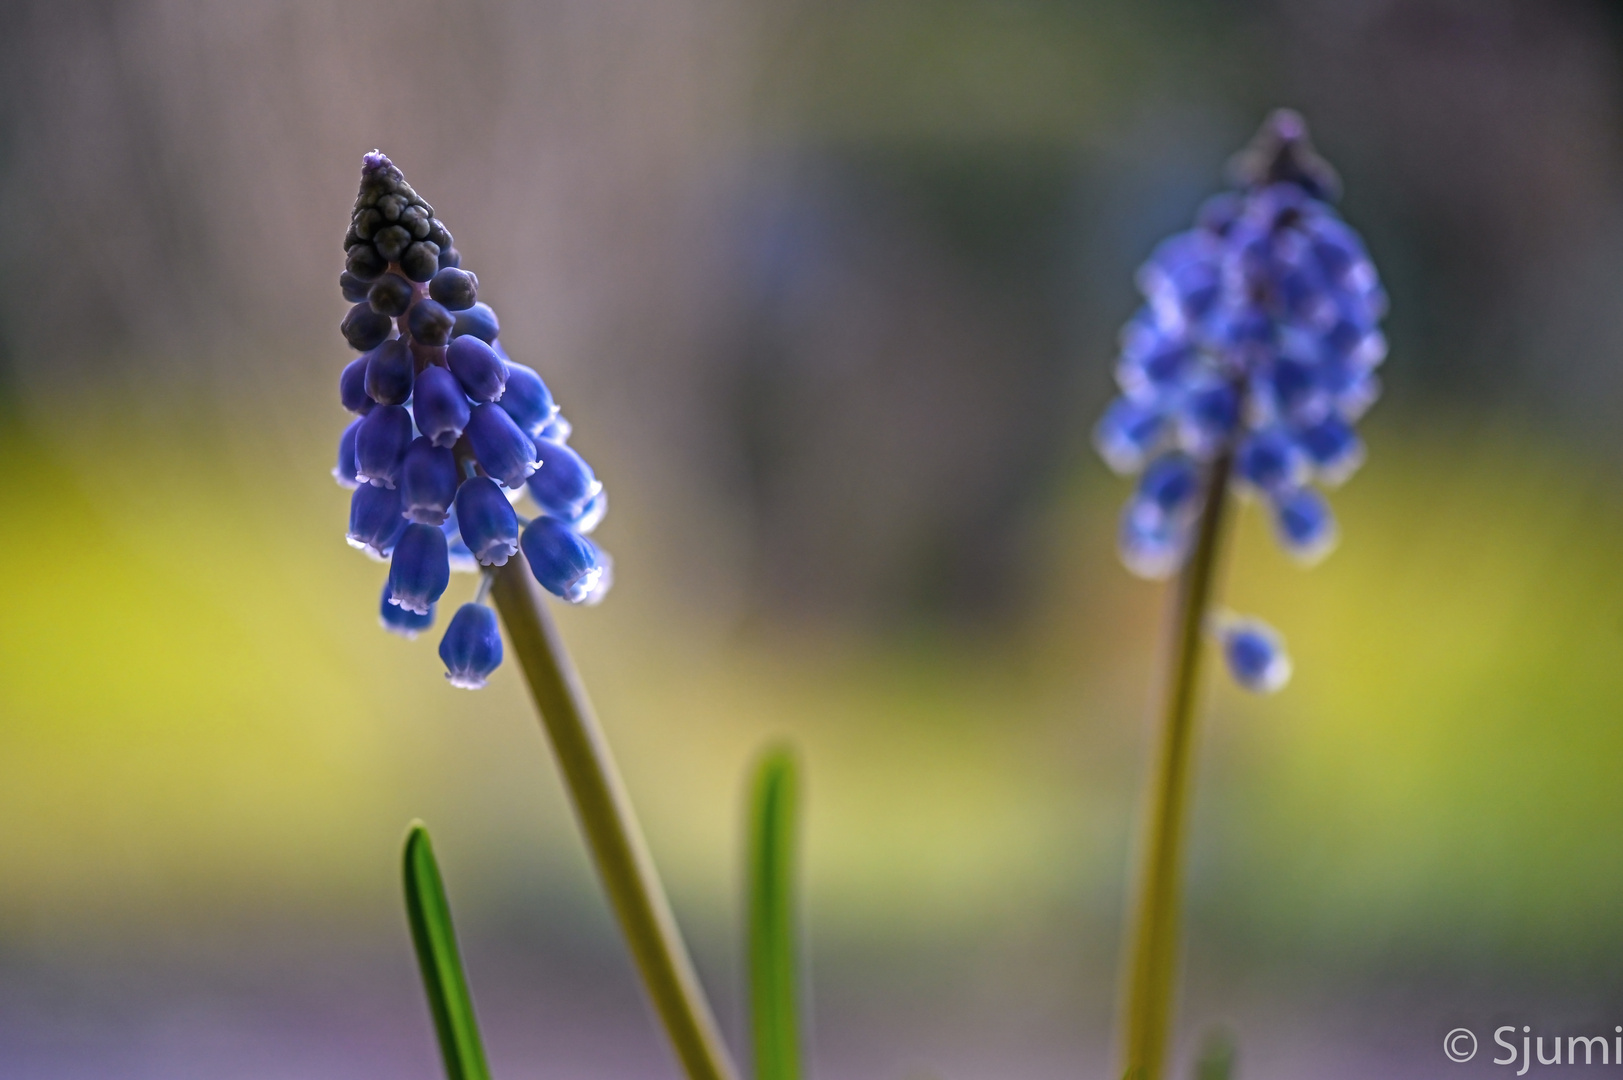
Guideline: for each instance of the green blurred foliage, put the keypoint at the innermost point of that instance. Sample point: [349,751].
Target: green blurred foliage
[200,712]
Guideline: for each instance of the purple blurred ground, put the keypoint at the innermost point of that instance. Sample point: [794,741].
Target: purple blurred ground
[571,1010]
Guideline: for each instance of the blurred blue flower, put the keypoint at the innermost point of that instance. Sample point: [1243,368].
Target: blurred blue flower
[448,432]
[1254,653]
[1255,349]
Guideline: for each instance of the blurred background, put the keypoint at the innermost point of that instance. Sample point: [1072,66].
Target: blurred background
[830,291]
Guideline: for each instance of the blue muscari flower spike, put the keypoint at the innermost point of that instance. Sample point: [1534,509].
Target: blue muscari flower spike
[447,433]
[1257,345]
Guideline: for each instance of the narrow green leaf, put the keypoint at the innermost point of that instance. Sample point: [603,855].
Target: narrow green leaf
[435,939]
[774,979]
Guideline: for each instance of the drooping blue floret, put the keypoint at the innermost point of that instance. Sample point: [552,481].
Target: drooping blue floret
[344,470]
[420,568]
[462,560]
[1304,524]
[375,520]
[1254,353]
[477,367]
[503,450]
[380,444]
[591,515]
[527,399]
[1333,447]
[472,647]
[1170,485]
[439,406]
[488,525]
[428,482]
[1270,460]
[479,321]
[397,620]
[1255,654]
[556,430]
[389,373]
[1128,433]
[564,484]
[1157,520]
[1208,416]
[565,562]
[434,475]
[352,386]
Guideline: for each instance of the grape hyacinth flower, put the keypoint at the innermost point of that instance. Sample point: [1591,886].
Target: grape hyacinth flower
[1251,359]
[448,432]
[449,444]
[1247,366]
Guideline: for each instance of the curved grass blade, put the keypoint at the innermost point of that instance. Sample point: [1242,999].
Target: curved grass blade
[435,939]
[774,979]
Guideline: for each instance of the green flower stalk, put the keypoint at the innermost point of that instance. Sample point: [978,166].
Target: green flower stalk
[1246,368]
[610,826]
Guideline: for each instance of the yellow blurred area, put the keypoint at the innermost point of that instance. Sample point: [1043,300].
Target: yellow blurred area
[200,712]
[1445,764]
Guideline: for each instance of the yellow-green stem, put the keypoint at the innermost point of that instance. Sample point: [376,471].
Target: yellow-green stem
[1152,965]
[610,825]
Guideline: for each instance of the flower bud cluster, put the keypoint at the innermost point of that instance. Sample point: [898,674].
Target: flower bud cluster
[1256,346]
[450,434]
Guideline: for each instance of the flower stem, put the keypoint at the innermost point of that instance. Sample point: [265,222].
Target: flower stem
[610,825]
[1148,1001]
